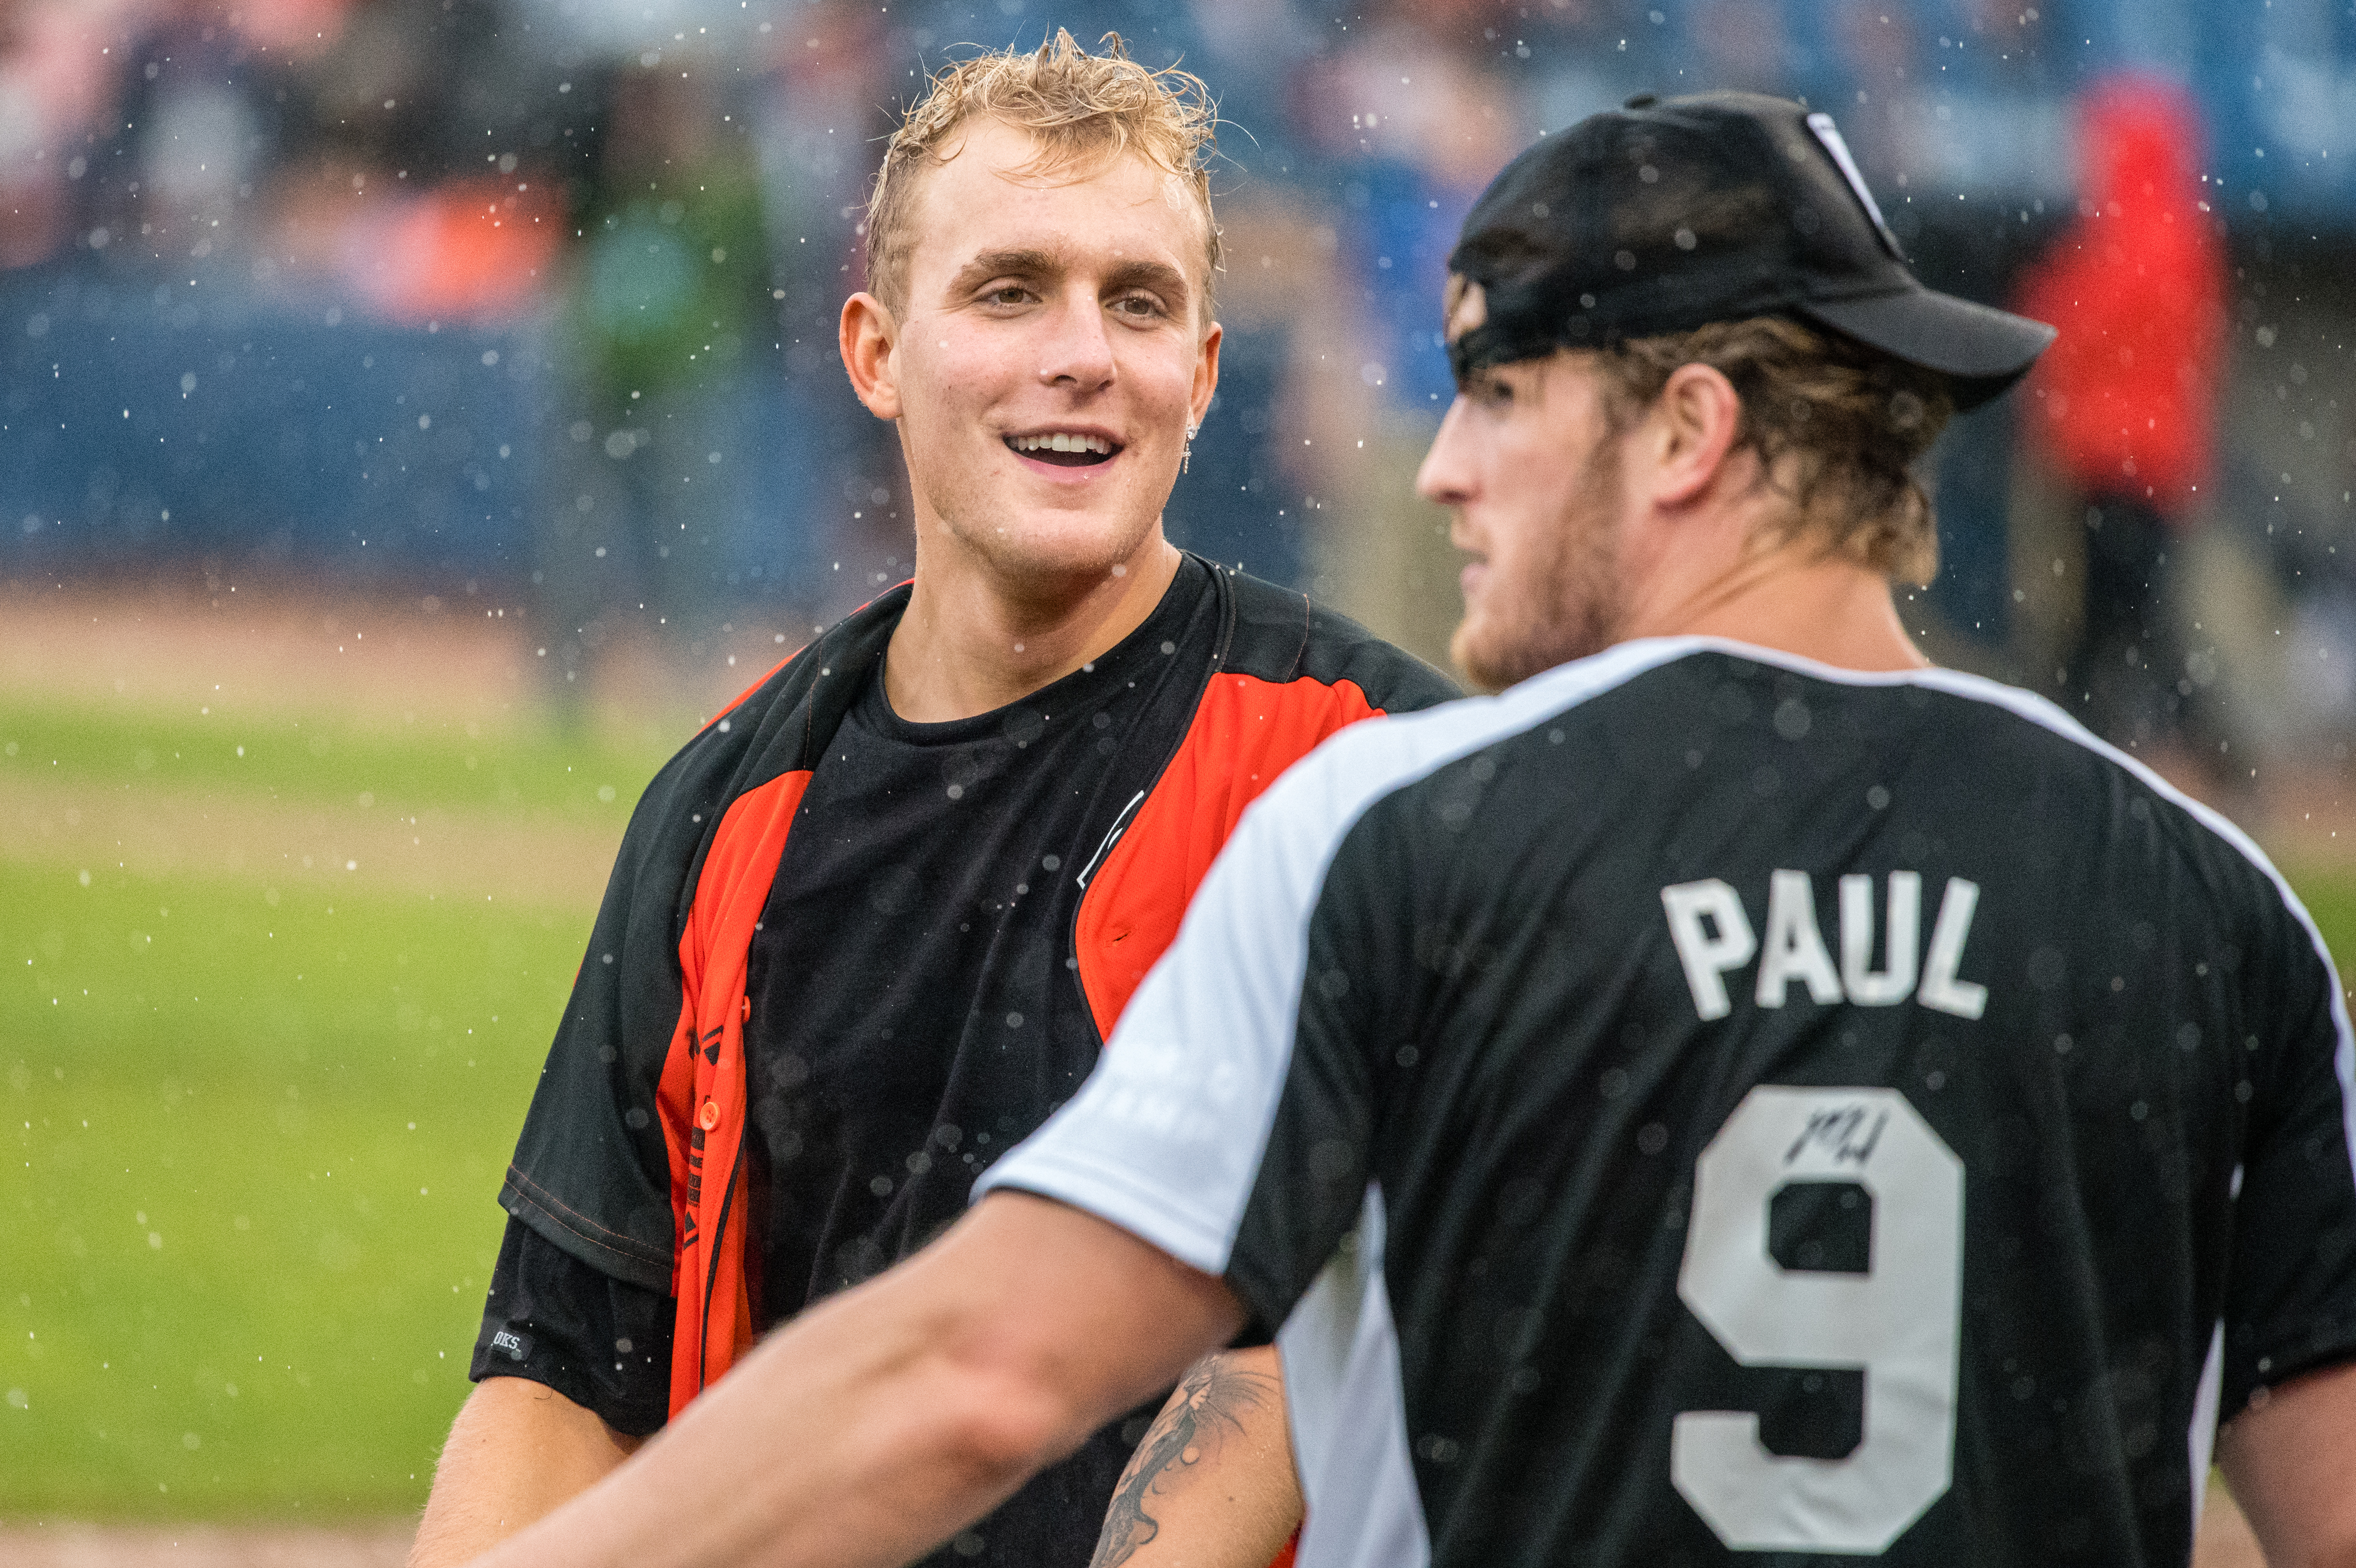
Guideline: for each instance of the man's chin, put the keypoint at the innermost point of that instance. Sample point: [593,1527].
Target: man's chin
[1059,546]
[1494,657]
[1473,649]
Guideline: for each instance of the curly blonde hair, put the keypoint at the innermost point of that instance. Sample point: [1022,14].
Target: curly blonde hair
[1838,426]
[1083,110]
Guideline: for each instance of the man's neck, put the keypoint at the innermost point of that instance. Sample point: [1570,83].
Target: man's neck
[970,642]
[1795,599]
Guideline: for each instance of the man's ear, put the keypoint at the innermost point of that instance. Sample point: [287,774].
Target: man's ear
[869,334]
[1693,426]
[1206,375]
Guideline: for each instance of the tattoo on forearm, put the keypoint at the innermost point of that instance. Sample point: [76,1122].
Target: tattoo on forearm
[1189,1429]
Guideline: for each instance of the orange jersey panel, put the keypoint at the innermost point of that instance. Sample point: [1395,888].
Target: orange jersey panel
[702,1093]
[1245,732]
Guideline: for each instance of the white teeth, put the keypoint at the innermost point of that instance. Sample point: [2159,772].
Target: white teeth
[1063,441]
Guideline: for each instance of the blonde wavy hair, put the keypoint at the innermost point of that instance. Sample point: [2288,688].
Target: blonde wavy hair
[1084,110]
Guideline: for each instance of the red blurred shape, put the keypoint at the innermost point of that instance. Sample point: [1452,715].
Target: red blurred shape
[2122,403]
[476,249]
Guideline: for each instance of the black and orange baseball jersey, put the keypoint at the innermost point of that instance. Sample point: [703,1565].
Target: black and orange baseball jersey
[1704,1107]
[904,947]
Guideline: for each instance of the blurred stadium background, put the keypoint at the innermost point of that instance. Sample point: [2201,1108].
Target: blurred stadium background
[416,414]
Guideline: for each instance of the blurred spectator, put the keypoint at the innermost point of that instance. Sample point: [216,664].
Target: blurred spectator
[2123,405]
[55,78]
[435,142]
[1412,121]
[666,325]
[835,71]
[190,118]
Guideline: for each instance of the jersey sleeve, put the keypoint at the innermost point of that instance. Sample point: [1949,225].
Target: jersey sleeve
[599,1341]
[1355,996]
[2290,1304]
[591,1172]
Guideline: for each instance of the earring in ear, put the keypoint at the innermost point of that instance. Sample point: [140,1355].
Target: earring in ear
[1186,452]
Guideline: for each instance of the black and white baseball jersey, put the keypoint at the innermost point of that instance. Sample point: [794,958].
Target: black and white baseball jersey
[1702,1103]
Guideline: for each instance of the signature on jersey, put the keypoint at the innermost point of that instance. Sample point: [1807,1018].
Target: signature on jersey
[1842,1133]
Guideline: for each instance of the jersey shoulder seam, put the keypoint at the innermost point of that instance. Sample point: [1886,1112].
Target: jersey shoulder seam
[1367,763]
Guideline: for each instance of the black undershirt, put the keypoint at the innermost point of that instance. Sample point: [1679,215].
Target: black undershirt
[911,979]
[915,1014]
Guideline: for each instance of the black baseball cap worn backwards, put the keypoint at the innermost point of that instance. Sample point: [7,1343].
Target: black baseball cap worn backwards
[1671,214]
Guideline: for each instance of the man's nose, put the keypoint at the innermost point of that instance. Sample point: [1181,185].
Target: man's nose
[1447,476]
[1077,351]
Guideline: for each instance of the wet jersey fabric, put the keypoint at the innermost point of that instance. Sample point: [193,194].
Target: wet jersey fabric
[603,1343]
[1700,1104]
[847,961]
[913,983]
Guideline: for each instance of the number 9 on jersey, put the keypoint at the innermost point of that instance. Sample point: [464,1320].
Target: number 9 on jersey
[1899,1320]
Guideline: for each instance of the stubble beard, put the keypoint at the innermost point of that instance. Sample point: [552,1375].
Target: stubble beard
[1569,604]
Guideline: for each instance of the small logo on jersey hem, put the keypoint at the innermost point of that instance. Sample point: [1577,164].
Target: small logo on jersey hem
[514,1346]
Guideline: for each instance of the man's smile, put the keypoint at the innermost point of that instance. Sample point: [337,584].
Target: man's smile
[1065,448]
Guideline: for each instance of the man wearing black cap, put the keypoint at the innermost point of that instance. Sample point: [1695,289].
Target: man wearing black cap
[1738,1091]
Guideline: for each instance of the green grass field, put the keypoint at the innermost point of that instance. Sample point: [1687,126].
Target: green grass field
[314,757]
[256,1129]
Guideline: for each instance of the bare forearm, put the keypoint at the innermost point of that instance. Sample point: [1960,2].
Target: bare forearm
[875,1426]
[518,1450]
[770,1469]
[1212,1486]
[2288,1459]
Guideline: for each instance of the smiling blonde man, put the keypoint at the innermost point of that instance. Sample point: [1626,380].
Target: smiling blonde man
[871,927]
